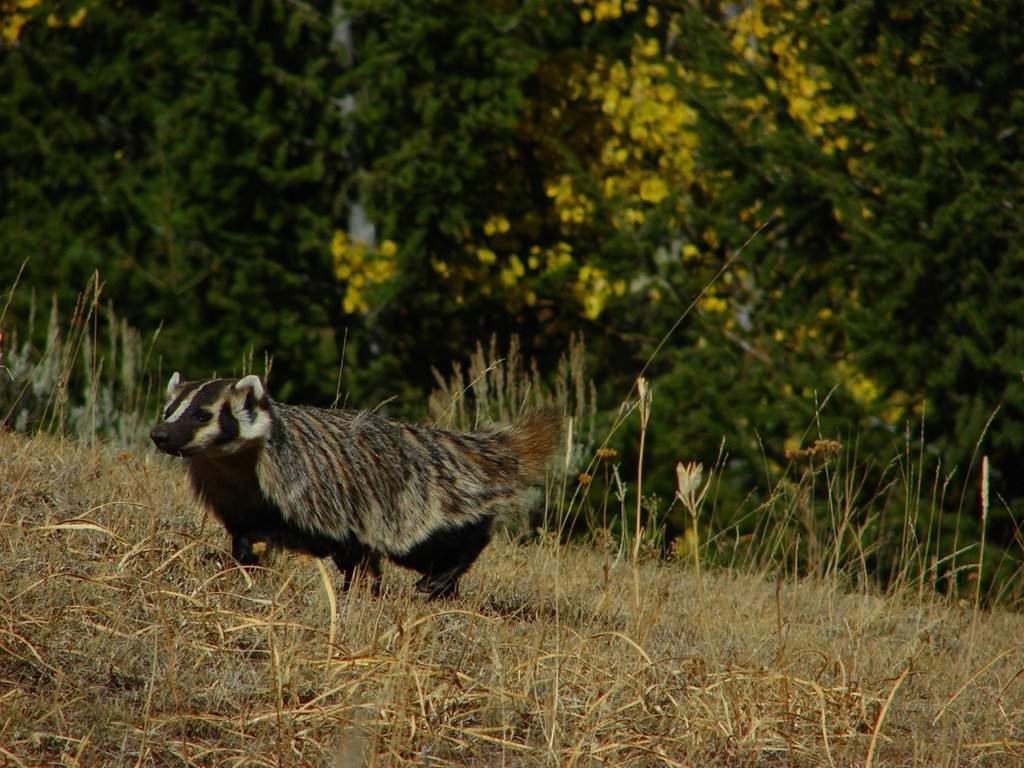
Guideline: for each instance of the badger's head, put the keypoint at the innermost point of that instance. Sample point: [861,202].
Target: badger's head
[218,417]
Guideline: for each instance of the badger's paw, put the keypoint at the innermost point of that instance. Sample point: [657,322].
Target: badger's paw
[442,586]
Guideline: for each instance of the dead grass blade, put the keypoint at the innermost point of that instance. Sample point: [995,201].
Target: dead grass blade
[974,676]
[81,524]
[869,759]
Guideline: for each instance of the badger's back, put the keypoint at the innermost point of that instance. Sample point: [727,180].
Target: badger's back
[335,472]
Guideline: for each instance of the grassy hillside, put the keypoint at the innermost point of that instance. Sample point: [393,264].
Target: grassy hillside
[127,639]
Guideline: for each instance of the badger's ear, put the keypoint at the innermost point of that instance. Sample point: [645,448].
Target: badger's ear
[172,385]
[252,383]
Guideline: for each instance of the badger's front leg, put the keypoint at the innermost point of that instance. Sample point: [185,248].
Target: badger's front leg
[249,542]
[242,549]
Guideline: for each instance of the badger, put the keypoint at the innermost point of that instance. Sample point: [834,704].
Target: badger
[352,485]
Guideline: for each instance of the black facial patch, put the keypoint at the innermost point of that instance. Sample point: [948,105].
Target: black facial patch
[209,393]
[227,425]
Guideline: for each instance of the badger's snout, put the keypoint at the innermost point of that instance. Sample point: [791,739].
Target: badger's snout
[161,438]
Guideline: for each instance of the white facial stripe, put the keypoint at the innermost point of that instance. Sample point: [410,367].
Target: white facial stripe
[186,401]
[182,407]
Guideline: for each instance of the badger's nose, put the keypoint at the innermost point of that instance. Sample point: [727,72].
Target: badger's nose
[160,436]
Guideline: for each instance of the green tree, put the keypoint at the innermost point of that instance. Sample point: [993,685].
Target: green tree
[194,158]
[877,145]
[604,174]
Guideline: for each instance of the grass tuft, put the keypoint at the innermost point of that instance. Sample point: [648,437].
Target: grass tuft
[89,378]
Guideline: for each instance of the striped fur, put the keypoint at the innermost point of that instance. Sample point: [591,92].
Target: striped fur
[350,484]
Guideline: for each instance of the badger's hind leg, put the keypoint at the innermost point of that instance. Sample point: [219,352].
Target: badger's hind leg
[443,557]
[440,586]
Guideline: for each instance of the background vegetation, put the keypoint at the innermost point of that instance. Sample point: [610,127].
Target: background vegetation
[834,187]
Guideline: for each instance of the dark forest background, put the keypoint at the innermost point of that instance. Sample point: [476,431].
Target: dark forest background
[837,186]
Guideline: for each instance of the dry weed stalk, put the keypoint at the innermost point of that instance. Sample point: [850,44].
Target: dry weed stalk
[691,492]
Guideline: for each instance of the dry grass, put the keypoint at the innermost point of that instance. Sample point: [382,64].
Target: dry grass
[125,640]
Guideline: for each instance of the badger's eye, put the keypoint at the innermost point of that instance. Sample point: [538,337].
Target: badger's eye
[202,416]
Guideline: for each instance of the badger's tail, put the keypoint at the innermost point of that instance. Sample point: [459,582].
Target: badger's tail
[534,440]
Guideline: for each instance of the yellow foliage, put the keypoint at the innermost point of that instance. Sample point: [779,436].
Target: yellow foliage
[572,207]
[771,27]
[714,304]
[628,218]
[516,265]
[361,267]
[12,25]
[511,274]
[496,225]
[605,10]
[649,47]
[861,387]
[653,189]
[650,144]
[559,257]
[593,290]
[13,18]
